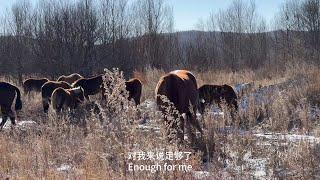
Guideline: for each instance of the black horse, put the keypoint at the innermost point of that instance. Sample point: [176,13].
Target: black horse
[7,94]
[91,86]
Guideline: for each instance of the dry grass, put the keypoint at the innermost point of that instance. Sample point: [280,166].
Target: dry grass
[100,149]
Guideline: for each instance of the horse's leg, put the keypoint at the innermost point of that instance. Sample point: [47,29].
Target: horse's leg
[196,124]
[103,92]
[3,122]
[87,97]
[137,101]
[180,130]
[196,143]
[58,110]
[190,134]
[10,114]
[12,117]
[4,117]
[45,105]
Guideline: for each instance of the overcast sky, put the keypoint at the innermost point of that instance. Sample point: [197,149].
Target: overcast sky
[188,12]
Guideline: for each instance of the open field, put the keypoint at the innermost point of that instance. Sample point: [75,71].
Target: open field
[267,128]
[278,135]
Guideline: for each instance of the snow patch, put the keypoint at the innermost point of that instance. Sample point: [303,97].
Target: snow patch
[26,123]
[148,104]
[21,124]
[64,168]
[216,112]
[148,128]
[213,111]
[259,166]
[267,94]
[289,137]
[231,130]
[243,88]
[314,113]
[200,174]
[264,95]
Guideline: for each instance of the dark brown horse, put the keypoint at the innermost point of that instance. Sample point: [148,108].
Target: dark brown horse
[180,88]
[70,78]
[33,84]
[209,94]
[134,87]
[47,90]
[91,86]
[67,98]
[7,94]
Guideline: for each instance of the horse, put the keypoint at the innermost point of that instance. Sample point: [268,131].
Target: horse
[33,84]
[180,88]
[67,98]
[70,78]
[7,94]
[47,90]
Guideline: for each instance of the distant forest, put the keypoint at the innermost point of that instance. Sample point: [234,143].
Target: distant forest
[56,37]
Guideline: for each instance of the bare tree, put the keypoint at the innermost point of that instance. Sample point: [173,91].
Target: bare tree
[20,29]
[240,26]
[301,22]
[154,17]
[310,16]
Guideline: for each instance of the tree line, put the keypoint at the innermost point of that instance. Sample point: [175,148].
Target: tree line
[56,37]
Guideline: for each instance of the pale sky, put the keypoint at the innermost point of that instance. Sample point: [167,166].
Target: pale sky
[188,12]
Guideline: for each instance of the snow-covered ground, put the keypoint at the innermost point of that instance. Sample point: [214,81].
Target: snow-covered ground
[148,104]
[64,168]
[22,125]
[266,94]
[148,127]
[214,111]
[258,165]
[288,137]
[263,96]
[201,174]
[243,88]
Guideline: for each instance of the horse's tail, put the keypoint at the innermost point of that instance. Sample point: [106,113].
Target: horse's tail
[18,105]
[57,100]
[56,103]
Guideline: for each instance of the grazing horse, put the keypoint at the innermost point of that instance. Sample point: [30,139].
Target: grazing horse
[70,78]
[180,87]
[91,86]
[67,98]
[33,84]
[209,94]
[7,94]
[47,90]
[134,87]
